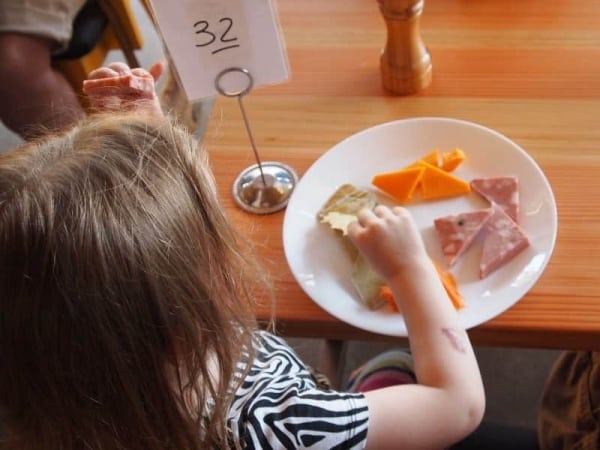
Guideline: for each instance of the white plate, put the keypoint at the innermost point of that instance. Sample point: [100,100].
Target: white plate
[321,266]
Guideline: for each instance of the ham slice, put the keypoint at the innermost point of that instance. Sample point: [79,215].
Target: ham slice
[503,191]
[457,232]
[504,240]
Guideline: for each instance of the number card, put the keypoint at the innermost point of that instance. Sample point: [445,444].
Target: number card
[206,37]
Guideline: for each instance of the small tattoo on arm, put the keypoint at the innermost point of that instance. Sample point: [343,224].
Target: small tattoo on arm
[456,339]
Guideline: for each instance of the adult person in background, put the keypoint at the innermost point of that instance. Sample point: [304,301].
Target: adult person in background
[33,95]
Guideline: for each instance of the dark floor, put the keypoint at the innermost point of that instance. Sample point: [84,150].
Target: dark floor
[513,377]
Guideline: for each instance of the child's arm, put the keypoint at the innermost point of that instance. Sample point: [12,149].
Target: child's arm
[448,401]
[118,87]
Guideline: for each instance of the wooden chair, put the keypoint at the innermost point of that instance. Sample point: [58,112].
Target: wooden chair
[100,26]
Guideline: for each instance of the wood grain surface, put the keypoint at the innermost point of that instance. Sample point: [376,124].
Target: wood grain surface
[528,69]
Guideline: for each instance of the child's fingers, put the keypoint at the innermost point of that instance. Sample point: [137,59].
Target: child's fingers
[365,216]
[381,211]
[353,228]
[400,211]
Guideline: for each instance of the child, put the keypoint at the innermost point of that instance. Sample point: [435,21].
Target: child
[126,308]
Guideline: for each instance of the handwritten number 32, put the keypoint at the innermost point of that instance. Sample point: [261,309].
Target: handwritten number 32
[207,37]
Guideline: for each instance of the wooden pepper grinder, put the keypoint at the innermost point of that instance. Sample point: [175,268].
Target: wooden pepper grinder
[405,61]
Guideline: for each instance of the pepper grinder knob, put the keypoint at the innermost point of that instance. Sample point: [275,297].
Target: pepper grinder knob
[405,61]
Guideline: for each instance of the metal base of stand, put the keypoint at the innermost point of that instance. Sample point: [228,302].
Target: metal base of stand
[258,197]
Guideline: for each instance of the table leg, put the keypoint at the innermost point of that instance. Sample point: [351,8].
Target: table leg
[331,360]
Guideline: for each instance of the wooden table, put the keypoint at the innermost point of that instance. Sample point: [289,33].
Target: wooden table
[530,70]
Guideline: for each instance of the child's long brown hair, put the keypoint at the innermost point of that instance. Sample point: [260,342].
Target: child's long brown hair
[125,302]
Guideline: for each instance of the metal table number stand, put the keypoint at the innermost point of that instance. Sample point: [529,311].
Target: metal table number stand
[264,187]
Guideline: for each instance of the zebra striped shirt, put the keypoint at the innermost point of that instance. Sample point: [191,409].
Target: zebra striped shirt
[280,406]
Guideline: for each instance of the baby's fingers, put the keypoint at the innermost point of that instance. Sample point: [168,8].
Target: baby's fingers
[120,67]
[102,72]
[119,80]
[158,69]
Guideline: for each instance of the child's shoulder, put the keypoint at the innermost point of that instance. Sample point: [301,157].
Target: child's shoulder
[280,386]
[270,348]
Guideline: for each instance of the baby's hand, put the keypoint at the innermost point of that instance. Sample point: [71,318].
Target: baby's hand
[388,239]
[117,87]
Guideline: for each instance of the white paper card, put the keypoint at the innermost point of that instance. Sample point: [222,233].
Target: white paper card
[206,37]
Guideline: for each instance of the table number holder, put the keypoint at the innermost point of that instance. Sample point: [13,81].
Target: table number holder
[264,187]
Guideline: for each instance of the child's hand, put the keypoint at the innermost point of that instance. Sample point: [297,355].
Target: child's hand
[388,239]
[117,87]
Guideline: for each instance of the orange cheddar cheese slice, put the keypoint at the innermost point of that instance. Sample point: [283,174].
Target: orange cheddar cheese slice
[399,184]
[452,159]
[437,183]
[451,287]
[434,158]
[448,281]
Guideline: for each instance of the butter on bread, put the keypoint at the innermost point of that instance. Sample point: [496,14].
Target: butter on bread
[341,208]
